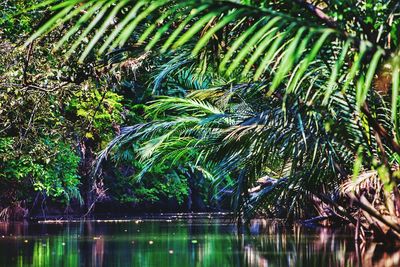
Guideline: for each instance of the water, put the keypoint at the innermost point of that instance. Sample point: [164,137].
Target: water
[170,240]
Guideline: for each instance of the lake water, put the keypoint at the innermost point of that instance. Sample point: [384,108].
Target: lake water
[183,240]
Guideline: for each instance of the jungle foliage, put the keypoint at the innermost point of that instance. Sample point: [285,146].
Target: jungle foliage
[302,93]
[55,115]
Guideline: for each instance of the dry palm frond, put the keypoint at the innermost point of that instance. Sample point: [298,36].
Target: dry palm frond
[367,182]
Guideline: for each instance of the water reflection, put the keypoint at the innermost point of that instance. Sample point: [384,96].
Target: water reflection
[200,242]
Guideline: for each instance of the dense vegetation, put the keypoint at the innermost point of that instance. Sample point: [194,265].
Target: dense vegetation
[55,115]
[289,107]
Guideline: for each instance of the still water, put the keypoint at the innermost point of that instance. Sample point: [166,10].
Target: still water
[183,240]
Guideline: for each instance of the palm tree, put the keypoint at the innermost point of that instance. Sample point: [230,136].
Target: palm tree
[306,91]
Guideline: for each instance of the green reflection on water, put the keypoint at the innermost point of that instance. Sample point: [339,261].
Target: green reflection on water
[200,242]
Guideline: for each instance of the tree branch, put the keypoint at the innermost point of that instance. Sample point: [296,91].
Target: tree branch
[319,13]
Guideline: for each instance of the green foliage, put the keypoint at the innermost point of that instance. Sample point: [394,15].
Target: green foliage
[14,20]
[50,166]
[290,89]
[301,90]
[98,109]
[152,188]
